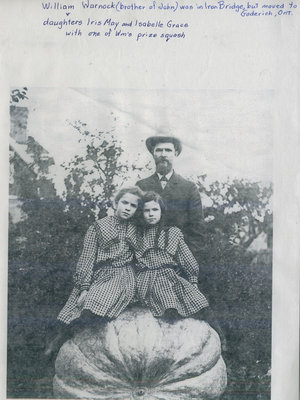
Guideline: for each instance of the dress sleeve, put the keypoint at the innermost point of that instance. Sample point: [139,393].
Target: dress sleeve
[85,265]
[186,260]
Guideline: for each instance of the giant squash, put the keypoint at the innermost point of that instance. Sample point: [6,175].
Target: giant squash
[137,356]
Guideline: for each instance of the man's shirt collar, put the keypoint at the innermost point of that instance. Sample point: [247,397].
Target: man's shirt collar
[168,176]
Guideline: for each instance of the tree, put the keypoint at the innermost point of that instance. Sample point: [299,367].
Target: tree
[240,211]
[93,176]
[45,245]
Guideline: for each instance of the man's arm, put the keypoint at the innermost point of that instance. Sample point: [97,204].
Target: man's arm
[195,223]
[139,184]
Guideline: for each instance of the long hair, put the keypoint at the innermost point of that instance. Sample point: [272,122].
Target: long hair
[153,196]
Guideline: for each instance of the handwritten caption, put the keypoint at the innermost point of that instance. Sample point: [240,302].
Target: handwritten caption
[165,26]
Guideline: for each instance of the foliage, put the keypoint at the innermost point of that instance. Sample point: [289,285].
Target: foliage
[92,177]
[240,211]
[18,94]
[237,283]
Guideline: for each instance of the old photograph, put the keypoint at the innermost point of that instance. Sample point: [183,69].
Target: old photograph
[140,243]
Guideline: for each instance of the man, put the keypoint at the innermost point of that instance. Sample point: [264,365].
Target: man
[182,198]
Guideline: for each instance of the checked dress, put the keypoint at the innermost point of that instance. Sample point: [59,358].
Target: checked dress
[105,270]
[159,285]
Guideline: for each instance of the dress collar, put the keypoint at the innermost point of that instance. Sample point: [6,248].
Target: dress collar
[120,220]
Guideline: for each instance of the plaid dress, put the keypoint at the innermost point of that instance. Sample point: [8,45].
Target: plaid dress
[105,270]
[159,285]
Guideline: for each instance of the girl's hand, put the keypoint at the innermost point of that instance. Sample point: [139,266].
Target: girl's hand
[81,298]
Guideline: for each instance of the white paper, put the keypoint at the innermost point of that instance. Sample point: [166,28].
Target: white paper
[242,68]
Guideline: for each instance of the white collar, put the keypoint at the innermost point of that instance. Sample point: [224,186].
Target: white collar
[168,176]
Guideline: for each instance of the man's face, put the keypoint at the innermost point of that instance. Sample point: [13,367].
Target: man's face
[164,155]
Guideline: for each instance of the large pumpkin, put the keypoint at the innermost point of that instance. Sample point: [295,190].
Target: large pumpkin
[138,356]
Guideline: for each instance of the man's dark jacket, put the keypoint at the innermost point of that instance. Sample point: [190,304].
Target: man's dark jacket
[184,208]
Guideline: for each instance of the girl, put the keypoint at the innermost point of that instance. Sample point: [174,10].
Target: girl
[161,256]
[104,279]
